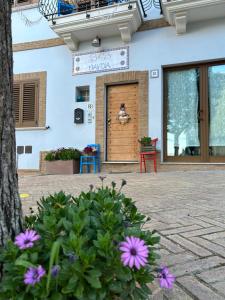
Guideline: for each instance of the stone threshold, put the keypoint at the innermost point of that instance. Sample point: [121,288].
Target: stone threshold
[120,162]
[191,163]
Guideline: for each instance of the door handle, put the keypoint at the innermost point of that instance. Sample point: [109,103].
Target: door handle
[199,115]
[109,121]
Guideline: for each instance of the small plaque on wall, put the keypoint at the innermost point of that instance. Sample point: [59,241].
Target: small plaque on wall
[101,61]
[154,73]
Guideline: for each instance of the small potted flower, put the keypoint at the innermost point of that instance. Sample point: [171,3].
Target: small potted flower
[146,144]
[90,151]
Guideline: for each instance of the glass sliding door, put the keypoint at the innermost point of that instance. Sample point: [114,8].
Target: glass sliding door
[194,113]
[216,90]
[182,115]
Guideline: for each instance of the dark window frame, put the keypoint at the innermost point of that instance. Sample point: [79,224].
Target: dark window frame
[203,67]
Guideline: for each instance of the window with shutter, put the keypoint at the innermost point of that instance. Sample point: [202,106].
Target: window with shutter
[25,95]
[16,102]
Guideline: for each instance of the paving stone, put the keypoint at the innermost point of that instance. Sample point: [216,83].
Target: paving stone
[160,225]
[191,221]
[170,245]
[164,252]
[219,242]
[198,289]
[209,245]
[202,231]
[220,287]
[176,293]
[180,229]
[197,265]
[173,259]
[215,236]
[190,245]
[213,222]
[214,275]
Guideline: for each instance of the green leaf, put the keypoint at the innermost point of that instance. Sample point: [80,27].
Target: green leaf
[71,286]
[116,287]
[57,296]
[24,263]
[124,274]
[53,258]
[94,282]
[79,291]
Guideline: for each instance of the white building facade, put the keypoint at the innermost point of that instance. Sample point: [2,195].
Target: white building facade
[166,70]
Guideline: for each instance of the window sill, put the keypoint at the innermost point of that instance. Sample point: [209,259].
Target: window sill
[24,7]
[31,128]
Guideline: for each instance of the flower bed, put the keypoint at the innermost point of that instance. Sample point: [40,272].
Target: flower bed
[63,161]
[89,247]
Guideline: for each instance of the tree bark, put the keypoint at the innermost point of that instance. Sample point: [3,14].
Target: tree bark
[10,204]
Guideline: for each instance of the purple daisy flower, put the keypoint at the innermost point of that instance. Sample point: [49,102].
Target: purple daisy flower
[135,252]
[34,275]
[166,279]
[26,239]
[55,270]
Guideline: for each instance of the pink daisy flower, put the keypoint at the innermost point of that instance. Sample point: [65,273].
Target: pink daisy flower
[166,279]
[26,239]
[135,252]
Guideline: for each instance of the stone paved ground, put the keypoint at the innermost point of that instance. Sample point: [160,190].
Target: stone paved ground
[188,211]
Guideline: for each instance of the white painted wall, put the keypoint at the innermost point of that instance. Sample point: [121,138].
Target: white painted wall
[148,50]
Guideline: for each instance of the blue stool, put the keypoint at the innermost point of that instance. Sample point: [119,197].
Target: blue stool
[91,160]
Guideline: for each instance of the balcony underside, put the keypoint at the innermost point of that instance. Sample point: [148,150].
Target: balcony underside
[181,12]
[117,19]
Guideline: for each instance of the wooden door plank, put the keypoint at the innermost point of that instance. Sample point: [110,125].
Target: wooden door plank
[122,140]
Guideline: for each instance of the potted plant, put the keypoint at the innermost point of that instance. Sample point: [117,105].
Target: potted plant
[63,161]
[90,151]
[146,144]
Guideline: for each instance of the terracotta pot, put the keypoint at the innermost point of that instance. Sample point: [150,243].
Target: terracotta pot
[63,167]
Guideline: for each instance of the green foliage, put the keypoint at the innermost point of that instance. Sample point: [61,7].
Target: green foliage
[63,154]
[145,141]
[82,236]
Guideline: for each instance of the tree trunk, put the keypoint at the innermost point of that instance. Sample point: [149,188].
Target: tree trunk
[10,204]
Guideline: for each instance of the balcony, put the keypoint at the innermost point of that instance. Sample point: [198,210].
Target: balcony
[181,12]
[77,21]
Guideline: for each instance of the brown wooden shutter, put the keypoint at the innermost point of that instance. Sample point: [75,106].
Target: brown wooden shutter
[16,102]
[29,113]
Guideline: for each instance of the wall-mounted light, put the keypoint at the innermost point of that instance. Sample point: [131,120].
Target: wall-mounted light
[96,42]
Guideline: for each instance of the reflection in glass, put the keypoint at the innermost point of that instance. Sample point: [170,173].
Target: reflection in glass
[217,110]
[183,134]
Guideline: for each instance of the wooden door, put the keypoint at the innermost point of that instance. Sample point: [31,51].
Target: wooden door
[122,139]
